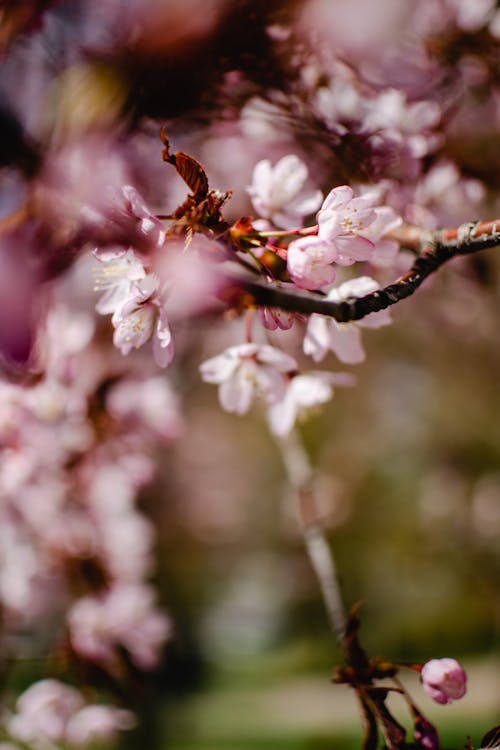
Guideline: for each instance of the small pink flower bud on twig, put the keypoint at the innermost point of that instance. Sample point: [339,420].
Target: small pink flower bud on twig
[444,680]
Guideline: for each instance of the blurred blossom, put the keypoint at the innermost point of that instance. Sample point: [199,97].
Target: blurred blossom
[50,712]
[150,402]
[96,724]
[246,371]
[305,392]
[264,121]
[43,712]
[124,616]
[278,193]
[444,196]
[444,680]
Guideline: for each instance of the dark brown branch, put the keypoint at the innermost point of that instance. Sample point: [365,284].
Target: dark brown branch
[433,248]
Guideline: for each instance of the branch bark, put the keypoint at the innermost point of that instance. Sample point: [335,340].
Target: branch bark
[433,249]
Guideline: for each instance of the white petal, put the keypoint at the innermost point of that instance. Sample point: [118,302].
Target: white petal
[317,338]
[345,342]
[236,393]
[276,358]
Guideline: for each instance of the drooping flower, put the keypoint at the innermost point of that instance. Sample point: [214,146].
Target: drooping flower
[278,193]
[444,680]
[324,334]
[304,393]
[273,318]
[248,370]
[141,317]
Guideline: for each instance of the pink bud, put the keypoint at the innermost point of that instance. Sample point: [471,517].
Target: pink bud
[444,680]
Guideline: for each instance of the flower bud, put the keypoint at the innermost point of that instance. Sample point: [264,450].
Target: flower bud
[444,680]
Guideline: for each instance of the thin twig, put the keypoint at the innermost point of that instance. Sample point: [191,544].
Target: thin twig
[301,477]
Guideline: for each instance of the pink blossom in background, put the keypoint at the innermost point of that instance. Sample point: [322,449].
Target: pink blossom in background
[96,724]
[50,714]
[125,616]
[278,193]
[444,680]
[43,711]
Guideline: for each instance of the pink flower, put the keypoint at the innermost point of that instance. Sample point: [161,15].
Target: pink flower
[344,339]
[444,680]
[308,263]
[246,371]
[277,193]
[341,221]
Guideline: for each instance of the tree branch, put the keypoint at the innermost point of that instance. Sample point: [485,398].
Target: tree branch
[301,478]
[433,250]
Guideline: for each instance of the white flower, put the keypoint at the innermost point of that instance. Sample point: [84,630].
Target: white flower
[305,392]
[245,371]
[344,339]
[277,192]
[142,317]
[116,274]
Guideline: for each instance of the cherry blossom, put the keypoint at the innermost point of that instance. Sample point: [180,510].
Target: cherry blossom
[246,371]
[342,220]
[444,680]
[278,193]
[308,263]
[119,270]
[324,334]
[141,317]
